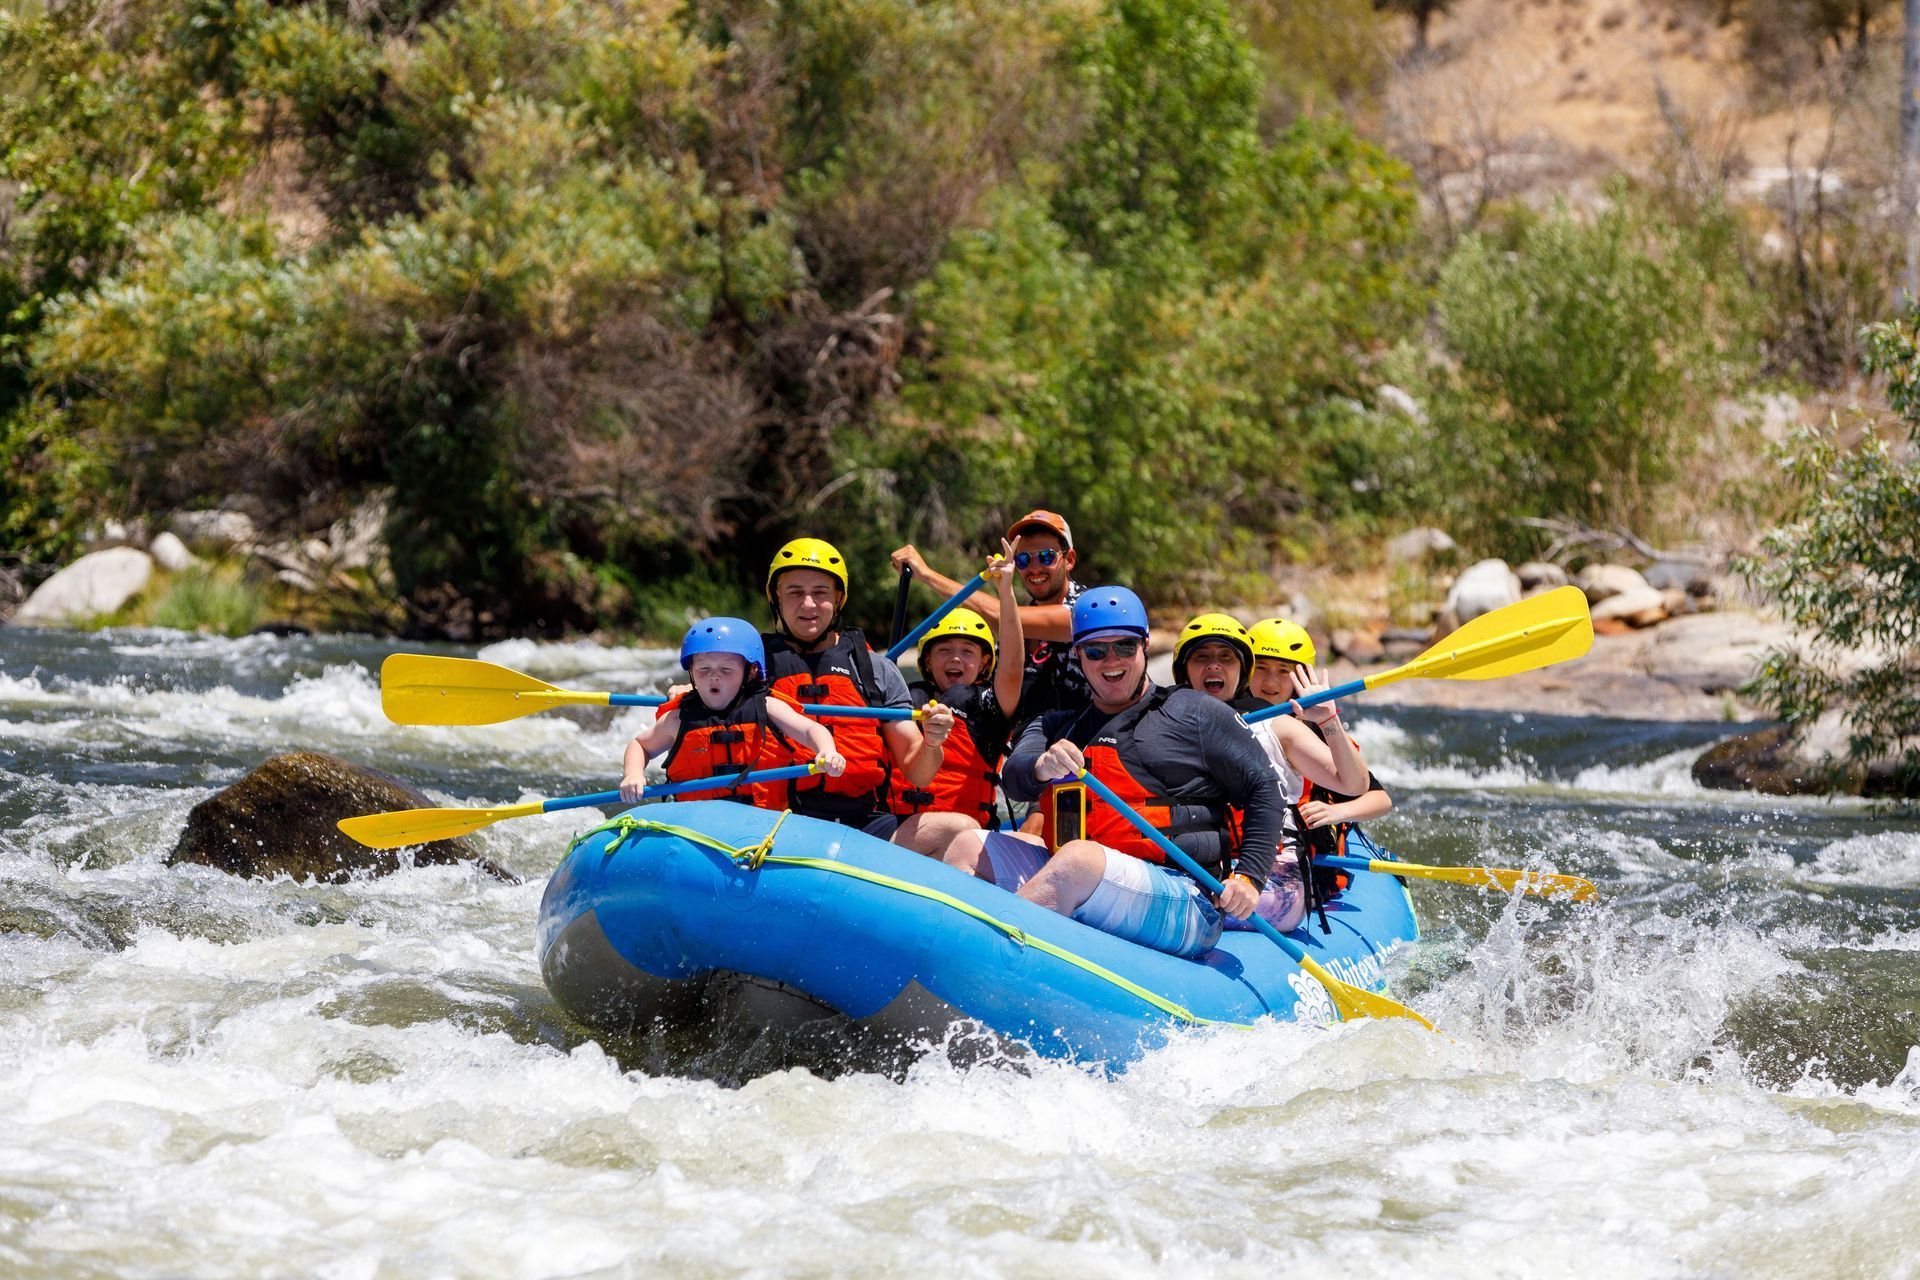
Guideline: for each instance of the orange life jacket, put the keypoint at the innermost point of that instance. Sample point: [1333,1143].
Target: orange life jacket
[1203,827]
[967,777]
[732,740]
[840,675]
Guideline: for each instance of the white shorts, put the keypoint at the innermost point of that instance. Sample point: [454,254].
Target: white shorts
[1135,899]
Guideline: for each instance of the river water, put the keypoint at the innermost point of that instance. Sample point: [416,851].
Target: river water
[1711,1073]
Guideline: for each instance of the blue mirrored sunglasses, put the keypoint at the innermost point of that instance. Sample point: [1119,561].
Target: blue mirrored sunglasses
[1098,650]
[1047,556]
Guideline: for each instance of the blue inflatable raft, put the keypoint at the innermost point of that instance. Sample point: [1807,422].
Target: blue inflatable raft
[713,913]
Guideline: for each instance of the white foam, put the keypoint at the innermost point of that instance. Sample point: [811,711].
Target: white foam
[1884,859]
[551,661]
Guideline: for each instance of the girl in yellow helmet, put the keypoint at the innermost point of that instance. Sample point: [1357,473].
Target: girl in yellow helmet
[958,658]
[1324,805]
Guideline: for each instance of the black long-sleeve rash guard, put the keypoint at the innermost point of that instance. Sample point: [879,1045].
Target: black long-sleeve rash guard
[1198,747]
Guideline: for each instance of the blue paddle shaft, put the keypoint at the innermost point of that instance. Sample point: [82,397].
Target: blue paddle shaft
[822,712]
[1340,862]
[954,601]
[1346,690]
[818,711]
[660,789]
[1179,855]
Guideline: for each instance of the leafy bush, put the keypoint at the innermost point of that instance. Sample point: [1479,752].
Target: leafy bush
[1589,353]
[1845,569]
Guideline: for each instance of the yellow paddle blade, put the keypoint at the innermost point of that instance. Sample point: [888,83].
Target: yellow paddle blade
[419,688]
[1544,883]
[1358,1002]
[423,826]
[1538,632]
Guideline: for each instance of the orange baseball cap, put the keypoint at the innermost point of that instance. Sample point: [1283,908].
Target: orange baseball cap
[1051,521]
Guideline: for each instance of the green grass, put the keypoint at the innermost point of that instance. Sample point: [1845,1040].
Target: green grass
[216,601]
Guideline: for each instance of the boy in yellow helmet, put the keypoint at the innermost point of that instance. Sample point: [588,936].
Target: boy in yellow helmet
[812,658]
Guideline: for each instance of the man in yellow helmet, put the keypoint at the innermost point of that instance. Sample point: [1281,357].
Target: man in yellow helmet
[960,670]
[813,658]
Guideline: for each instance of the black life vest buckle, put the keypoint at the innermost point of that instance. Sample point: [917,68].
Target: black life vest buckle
[809,692]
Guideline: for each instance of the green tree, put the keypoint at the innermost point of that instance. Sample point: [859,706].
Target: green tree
[1844,566]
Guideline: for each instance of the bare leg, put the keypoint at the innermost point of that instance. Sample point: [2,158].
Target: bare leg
[968,853]
[1069,878]
[931,833]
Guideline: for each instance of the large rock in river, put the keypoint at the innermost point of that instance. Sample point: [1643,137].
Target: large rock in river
[280,818]
[1776,762]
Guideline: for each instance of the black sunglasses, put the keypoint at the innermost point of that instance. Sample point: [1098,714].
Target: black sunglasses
[1098,651]
[1047,556]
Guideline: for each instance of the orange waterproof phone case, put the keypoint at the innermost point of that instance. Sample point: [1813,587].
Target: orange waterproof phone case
[1064,817]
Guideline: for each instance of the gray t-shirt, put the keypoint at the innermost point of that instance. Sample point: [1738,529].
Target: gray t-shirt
[893,686]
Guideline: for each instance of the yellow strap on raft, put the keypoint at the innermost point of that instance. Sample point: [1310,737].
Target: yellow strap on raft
[755,856]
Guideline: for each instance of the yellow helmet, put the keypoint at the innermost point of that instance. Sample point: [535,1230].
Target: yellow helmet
[808,553]
[1214,628]
[1278,638]
[968,625]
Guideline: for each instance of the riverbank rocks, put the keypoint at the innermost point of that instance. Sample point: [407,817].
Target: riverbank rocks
[280,820]
[1695,577]
[1640,606]
[1539,575]
[1601,581]
[99,582]
[1422,543]
[1773,761]
[1357,645]
[171,554]
[1482,588]
[217,531]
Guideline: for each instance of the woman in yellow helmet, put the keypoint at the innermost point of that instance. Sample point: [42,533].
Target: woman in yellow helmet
[812,658]
[1323,807]
[958,658]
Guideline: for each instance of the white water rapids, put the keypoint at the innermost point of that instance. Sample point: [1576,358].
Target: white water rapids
[1710,1074]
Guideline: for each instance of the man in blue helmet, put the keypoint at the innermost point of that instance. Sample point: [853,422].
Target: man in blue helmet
[1182,760]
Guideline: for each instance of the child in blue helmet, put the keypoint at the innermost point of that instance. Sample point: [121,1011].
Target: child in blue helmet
[730,723]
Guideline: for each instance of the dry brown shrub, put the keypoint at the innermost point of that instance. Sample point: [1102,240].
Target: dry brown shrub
[640,429]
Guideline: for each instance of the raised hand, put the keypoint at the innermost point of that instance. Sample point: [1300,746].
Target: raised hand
[1306,683]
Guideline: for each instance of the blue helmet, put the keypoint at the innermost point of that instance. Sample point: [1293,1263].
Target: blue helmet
[724,635]
[1108,610]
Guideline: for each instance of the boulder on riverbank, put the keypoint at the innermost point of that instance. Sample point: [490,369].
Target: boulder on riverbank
[1482,588]
[280,820]
[1774,761]
[98,583]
